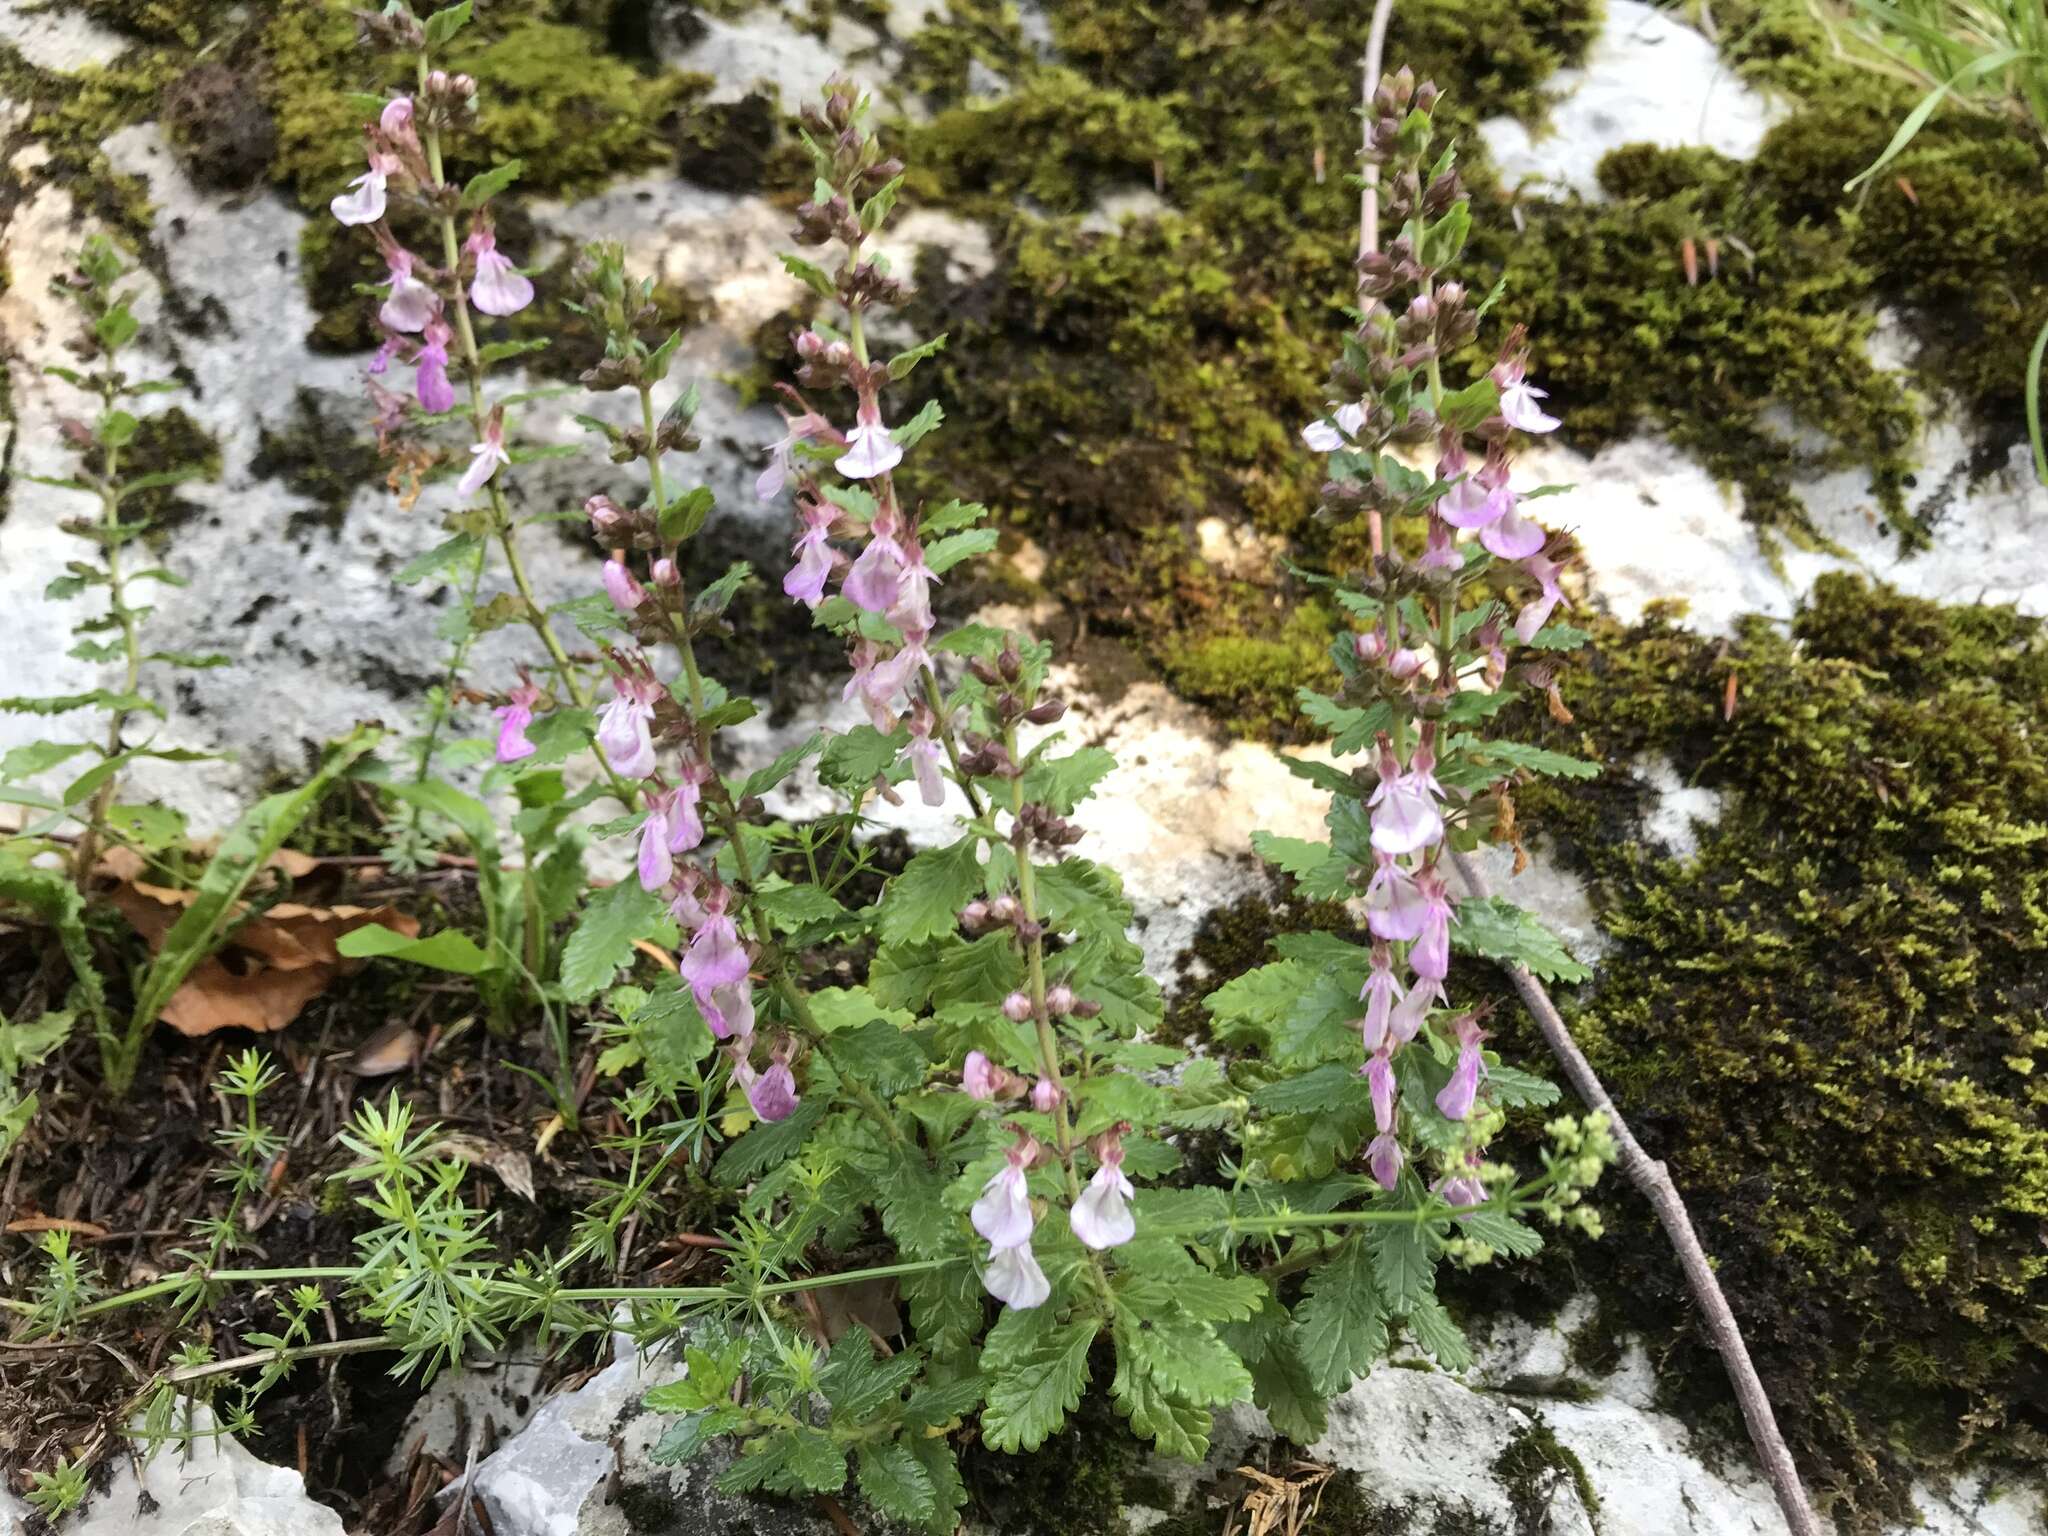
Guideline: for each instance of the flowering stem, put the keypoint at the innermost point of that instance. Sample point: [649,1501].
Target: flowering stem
[951,743]
[85,856]
[501,516]
[1034,955]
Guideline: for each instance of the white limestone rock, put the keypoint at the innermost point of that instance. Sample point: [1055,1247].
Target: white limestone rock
[211,1487]
[1648,79]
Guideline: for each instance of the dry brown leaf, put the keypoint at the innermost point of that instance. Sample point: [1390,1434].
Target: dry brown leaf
[281,959]
[864,1303]
[394,1048]
[265,1000]
[512,1168]
[57,1224]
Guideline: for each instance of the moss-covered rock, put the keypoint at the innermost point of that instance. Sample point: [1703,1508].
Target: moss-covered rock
[1830,1021]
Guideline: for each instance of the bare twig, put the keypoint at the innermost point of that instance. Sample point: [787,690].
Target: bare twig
[1369,199]
[1654,1181]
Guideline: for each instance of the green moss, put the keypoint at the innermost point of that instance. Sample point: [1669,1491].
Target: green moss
[1535,1465]
[165,442]
[1172,362]
[185,22]
[318,456]
[552,97]
[1828,1021]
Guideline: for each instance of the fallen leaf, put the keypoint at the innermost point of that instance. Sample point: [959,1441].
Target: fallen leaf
[512,1168]
[282,958]
[264,1000]
[57,1224]
[548,1133]
[656,953]
[394,1048]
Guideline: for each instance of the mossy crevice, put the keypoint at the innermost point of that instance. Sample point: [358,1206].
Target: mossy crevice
[1827,1020]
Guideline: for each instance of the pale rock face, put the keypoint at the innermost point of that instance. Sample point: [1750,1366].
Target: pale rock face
[62,41]
[1647,80]
[213,1487]
[761,48]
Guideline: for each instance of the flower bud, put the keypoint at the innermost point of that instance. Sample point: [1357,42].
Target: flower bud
[1046,711]
[974,916]
[1045,1097]
[665,573]
[1059,1000]
[1017,1007]
[603,512]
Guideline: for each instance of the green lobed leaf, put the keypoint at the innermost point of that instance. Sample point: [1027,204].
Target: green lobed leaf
[445,23]
[1496,929]
[1343,1326]
[943,554]
[924,901]
[761,780]
[1031,1392]
[902,364]
[767,1145]
[895,1482]
[713,598]
[854,758]
[603,940]
[811,275]
[484,186]
[1321,873]
[1061,783]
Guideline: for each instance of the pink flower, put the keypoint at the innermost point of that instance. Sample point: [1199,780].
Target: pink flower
[1385,1158]
[782,455]
[728,1009]
[1379,1079]
[411,304]
[1440,552]
[1537,613]
[431,379]
[1045,1096]
[1405,812]
[1003,1213]
[715,966]
[1102,1218]
[364,201]
[395,121]
[980,1077]
[1431,956]
[603,512]
[773,1094]
[1518,407]
[1455,1101]
[485,457]
[913,606]
[1379,995]
[1413,1009]
[805,580]
[622,728]
[1323,437]
[514,717]
[1513,537]
[870,451]
[877,574]
[925,757]
[1394,907]
[1014,1278]
[626,593]
[1460,1189]
[672,826]
[1467,503]
[497,288]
